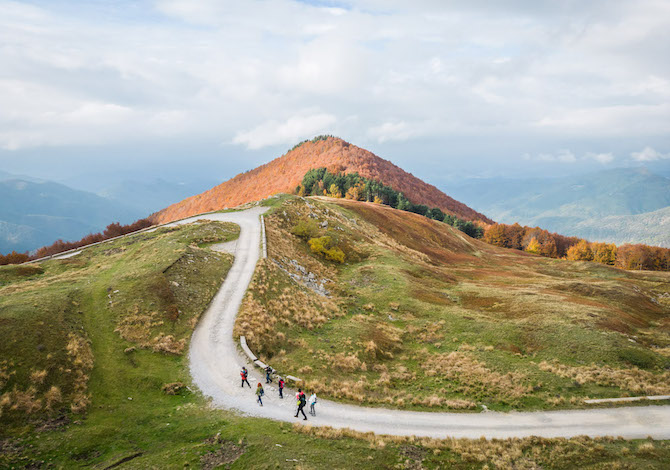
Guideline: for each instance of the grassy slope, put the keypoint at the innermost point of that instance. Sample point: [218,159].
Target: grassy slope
[131,423]
[424,317]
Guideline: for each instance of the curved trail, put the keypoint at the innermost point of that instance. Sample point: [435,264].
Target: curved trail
[215,364]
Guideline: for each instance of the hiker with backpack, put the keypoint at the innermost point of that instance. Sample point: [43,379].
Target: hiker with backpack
[302,401]
[268,375]
[281,387]
[312,402]
[244,373]
[260,392]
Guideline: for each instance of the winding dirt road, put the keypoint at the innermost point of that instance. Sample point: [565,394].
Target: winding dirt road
[215,362]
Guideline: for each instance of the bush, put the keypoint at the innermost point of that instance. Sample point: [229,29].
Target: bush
[305,229]
[638,357]
[323,246]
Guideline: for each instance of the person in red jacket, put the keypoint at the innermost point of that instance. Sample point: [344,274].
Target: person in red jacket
[244,373]
[281,387]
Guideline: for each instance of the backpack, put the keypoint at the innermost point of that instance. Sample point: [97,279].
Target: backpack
[303,402]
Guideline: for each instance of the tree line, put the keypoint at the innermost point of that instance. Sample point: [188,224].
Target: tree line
[321,182]
[314,140]
[553,245]
[112,230]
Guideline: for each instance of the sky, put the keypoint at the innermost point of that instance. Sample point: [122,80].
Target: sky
[187,89]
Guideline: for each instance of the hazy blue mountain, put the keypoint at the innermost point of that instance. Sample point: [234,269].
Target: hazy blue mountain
[34,214]
[620,205]
[151,196]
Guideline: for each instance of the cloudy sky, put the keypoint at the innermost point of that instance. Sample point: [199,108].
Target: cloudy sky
[188,88]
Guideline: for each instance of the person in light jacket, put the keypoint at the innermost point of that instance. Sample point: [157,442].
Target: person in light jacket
[312,402]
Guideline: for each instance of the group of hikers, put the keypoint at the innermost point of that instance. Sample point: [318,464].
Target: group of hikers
[301,398]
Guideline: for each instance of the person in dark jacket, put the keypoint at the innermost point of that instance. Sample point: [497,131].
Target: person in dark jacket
[268,374]
[244,373]
[302,401]
[281,387]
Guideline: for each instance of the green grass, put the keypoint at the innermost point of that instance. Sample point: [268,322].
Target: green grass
[132,423]
[505,311]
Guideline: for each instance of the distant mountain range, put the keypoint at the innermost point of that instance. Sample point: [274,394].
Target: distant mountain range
[35,212]
[284,173]
[624,205]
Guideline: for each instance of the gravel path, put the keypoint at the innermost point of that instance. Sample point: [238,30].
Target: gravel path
[215,362]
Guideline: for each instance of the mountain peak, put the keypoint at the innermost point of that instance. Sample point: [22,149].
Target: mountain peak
[283,174]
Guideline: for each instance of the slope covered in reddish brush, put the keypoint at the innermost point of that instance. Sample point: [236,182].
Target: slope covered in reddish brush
[283,174]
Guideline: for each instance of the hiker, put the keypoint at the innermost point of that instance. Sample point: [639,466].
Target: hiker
[281,387]
[268,375]
[244,373]
[312,402]
[300,396]
[260,392]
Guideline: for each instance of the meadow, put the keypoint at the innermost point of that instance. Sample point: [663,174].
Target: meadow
[96,327]
[421,316]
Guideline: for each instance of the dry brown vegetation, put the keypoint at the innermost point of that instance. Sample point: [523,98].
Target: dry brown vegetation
[529,453]
[473,378]
[81,357]
[272,298]
[283,174]
[634,380]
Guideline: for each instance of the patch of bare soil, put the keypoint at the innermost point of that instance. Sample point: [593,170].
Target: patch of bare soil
[53,424]
[413,457]
[227,453]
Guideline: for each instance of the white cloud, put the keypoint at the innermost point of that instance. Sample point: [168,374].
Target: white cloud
[603,158]
[562,156]
[292,130]
[454,73]
[648,154]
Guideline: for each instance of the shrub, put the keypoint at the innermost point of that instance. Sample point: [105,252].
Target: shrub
[305,229]
[323,245]
[638,357]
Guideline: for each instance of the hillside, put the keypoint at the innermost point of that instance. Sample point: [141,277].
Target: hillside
[94,372]
[34,214]
[283,174]
[613,206]
[411,313]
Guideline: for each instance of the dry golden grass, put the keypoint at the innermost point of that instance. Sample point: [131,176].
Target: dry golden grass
[52,397]
[634,380]
[663,351]
[37,376]
[472,377]
[25,400]
[513,453]
[168,344]
[273,297]
[81,357]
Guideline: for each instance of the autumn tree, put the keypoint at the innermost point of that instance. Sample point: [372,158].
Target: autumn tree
[533,246]
[496,235]
[334,191]
[604,253]
[580,252]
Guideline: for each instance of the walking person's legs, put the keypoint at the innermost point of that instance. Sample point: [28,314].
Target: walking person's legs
[301,409]
[281,393]
[311,410]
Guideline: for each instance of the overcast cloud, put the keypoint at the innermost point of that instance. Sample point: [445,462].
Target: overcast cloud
[450,86]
